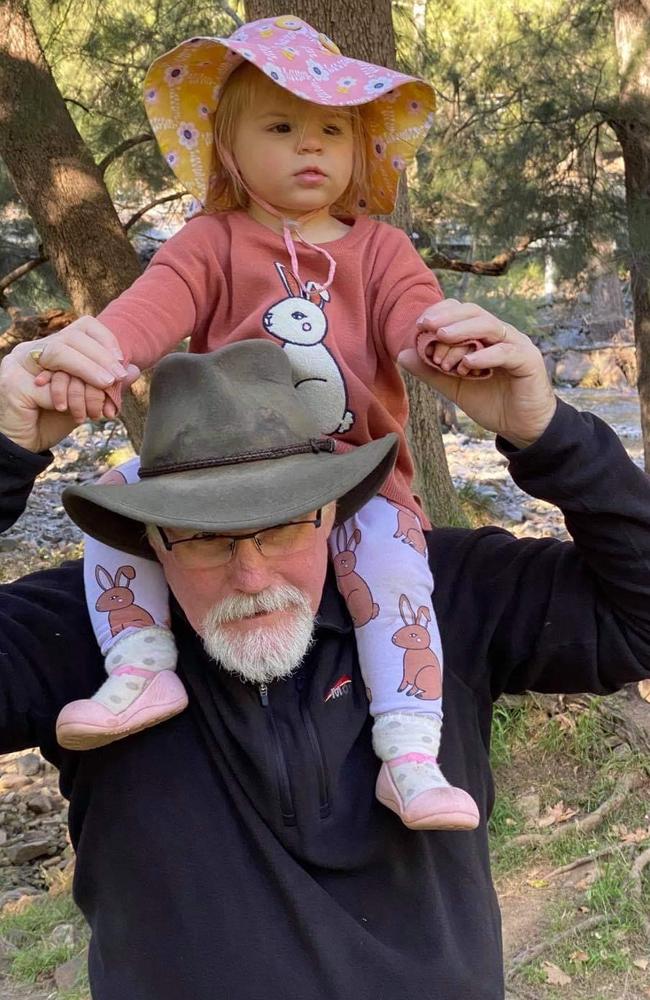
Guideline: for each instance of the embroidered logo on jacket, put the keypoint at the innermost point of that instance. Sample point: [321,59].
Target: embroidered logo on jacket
[340,689]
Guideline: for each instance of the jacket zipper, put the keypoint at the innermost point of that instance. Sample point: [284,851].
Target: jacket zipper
[282,775]
[323,783]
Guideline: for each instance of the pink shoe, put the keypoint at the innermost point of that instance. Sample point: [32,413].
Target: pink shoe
[441,808]
[85,724]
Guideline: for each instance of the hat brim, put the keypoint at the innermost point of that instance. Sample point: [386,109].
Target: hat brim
[231,498]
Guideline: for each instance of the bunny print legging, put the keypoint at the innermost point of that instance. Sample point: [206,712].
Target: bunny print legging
[382,571]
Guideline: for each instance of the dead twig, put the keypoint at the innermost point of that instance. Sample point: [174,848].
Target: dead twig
[586,824]
[529,954]
[579,862]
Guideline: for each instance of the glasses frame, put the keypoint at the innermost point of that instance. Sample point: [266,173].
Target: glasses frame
[207,537]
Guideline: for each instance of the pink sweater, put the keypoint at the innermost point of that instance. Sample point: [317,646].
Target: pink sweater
[225,278]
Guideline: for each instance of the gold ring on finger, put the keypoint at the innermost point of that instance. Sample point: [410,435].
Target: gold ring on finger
[504,332]
[36,355]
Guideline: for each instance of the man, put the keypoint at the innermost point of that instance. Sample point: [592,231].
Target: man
[238,851]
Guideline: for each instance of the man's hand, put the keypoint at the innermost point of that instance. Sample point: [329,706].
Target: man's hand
[84,354]
[28,414]
[518,402]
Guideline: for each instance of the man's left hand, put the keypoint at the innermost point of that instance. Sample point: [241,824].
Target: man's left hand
[518,402]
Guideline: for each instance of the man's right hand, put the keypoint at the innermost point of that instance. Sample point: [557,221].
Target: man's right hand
[28,412]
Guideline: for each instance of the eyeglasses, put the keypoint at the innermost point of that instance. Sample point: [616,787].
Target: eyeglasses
[206,550]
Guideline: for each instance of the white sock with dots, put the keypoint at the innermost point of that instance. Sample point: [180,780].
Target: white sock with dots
[408,742]
[132,663]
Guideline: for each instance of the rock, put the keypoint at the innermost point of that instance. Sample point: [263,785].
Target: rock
[33,845]
[63,936]
[31,765]
[67,976]
[605,372]
[14,781]
[529,806]
[3,837]
[572,368]
[9,544]
[39,803]
[13,895]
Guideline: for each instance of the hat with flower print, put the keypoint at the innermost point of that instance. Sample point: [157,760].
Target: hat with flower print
[182,90]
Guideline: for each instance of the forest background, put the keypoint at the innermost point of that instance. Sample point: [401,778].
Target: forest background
[531,196]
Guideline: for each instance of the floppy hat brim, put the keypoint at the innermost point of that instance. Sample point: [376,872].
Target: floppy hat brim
[231,498]
[182,89]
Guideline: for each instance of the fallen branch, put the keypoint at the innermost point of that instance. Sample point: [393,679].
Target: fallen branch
[579,862]
[588,823]
[585,347]
[529,954]
[636,873]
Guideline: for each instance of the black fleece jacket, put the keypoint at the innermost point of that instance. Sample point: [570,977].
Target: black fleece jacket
[237,851]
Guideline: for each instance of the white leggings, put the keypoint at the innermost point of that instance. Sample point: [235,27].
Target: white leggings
[382,571]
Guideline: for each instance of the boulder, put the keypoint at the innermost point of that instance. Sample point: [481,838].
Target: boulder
[68,975]
[31,765]
[572,368]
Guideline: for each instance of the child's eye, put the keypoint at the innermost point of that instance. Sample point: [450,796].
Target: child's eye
[281,127]
[333,130]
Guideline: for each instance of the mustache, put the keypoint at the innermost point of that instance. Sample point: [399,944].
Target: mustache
[237,606]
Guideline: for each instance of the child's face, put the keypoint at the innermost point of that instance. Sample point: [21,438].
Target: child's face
[280,138]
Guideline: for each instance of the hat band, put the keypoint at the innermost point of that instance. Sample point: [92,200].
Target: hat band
[313,445]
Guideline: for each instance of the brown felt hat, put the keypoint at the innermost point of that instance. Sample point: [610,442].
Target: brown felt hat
[229,445]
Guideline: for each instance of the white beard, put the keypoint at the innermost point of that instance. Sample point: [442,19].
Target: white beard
[266,653]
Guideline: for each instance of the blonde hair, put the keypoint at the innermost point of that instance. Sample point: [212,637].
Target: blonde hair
[240,92]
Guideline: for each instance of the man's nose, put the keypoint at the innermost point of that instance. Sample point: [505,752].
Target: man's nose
[249,570]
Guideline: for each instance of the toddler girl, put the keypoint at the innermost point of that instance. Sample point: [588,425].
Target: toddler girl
[289,146]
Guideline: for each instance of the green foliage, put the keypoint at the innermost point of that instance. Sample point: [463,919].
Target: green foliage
[521,149]
[99,54]
[29,931]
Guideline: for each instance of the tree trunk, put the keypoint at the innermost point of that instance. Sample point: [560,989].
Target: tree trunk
[632,127]
[58,180]
[365,31]
[607,309]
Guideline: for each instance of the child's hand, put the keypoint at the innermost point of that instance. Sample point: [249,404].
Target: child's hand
[82,401]
[448,358]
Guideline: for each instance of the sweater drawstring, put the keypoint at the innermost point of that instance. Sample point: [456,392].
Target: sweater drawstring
[289,227]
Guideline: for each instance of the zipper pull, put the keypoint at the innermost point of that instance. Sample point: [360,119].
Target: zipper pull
[264,695]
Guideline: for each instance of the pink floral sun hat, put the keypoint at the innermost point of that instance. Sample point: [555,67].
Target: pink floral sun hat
[182,90]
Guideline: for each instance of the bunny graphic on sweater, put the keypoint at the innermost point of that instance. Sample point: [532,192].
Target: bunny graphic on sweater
[301,324]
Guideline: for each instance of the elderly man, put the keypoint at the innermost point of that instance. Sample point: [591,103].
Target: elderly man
[237,851]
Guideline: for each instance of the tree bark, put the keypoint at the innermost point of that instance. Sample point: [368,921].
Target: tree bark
[365,31]
[632,127]
[60,184]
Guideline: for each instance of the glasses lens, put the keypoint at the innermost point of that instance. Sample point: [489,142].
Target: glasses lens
[286,538]
[203,552]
